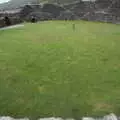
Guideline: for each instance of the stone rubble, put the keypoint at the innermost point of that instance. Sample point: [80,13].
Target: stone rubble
[106,117]
[52,118]
[110,117]
[10,118]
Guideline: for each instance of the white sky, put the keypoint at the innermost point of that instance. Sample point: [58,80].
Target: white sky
[2,1]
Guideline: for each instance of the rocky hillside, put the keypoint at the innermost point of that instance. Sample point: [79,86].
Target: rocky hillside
[17,3]
[101,10]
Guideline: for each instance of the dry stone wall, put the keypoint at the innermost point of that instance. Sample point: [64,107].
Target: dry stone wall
[101,10]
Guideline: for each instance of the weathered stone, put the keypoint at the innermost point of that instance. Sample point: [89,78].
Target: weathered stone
[27,9]
[69,119]
[101,10]
[39,16]
[7,21]
[10,118]
[110,117]
[2,22]
[53,9]
[33,19]
[52,118]
[102,4]
[88,118]
[106,117]
[67,15]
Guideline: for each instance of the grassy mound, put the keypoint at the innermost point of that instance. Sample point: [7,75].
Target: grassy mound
[49,69]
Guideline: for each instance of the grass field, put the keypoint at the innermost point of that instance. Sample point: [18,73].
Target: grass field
[47,69]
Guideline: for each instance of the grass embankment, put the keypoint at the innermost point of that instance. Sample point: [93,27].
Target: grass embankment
[47,69]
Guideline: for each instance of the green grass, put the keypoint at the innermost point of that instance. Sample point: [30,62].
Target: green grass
[47,69]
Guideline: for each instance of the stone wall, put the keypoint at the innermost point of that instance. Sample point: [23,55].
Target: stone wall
[13,20]
[102,17]
[27,9]
[68,15]
[101,10]
[39,16]
[2,22]
[53,9]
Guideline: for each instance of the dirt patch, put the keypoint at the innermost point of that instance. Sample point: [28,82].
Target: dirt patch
[102,106]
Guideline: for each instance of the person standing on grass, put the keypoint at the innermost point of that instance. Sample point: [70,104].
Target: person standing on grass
[7,21]
[73,26]
[33,19]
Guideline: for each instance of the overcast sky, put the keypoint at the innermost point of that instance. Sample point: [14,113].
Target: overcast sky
[2,1]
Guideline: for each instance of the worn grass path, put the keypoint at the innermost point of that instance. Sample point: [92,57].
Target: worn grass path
[47,69]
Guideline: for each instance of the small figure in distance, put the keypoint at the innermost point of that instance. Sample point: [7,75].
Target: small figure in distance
[33,19]
[73,26]
[7,21]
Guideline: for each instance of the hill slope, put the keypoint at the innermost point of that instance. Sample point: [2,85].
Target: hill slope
[17,3]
